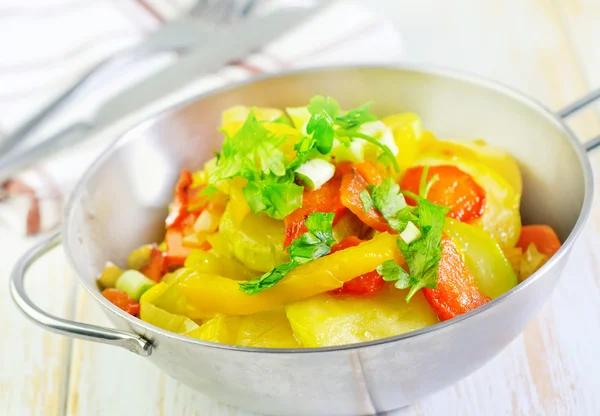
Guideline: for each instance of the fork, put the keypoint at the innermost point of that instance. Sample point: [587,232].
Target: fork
[178,35]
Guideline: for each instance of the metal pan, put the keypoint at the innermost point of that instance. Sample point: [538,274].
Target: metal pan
[121,203]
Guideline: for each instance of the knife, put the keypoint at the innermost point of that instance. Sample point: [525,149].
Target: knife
[247,36]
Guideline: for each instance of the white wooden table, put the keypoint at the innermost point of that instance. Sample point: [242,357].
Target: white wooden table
[546,48]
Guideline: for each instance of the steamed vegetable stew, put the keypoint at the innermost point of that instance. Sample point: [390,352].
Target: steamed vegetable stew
[316,226]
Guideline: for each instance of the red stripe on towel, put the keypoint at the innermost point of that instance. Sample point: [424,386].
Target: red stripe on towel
[151,10]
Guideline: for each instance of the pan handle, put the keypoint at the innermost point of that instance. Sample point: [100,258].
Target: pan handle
[132,342]
[578,105]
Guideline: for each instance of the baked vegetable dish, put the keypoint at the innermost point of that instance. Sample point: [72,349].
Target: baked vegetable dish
[316,226]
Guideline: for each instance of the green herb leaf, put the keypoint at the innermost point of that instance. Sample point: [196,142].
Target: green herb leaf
[320,125]
[398,222]
[387,198]
[423,182]
[356,117]
[429,184]
[308,247]
[320,128]
[366,200]
[251,152]
[391,272]
[316,242]
[423,255]
[387,153]
[267,280]
[324,105]
[277,200]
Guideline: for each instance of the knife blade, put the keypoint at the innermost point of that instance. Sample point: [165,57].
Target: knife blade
[246,37]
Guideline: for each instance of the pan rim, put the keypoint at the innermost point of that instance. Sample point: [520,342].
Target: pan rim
[463,76]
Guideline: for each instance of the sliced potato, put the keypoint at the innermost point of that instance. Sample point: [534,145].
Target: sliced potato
[328,320]
[483,257]
[255,240]
[268,329]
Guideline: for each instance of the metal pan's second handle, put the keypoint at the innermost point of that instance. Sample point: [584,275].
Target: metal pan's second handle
[578,105]
[131,342]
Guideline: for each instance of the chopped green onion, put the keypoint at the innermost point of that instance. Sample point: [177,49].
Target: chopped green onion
[378,130]
[386,150]
[315,173]
[134,284]
[410,233]
[351,150]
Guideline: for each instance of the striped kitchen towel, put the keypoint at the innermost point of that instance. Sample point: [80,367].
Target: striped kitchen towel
[54,41]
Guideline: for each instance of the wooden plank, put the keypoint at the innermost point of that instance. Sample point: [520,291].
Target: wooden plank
[33,361]
[527,46]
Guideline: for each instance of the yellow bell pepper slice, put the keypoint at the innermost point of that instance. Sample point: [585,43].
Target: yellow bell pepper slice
[267,329]
[501,217]
[110,275]
[167,295]
[328,320]
[173,320]
[156,316]
[202,261]
[407,131]
[483,257]
[211,294]
[139,257]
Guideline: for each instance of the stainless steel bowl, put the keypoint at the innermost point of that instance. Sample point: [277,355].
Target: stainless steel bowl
[121,203]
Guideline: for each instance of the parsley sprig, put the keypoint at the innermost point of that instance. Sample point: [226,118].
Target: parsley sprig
[308,247]
[253,153]
[328,122]
[423,254]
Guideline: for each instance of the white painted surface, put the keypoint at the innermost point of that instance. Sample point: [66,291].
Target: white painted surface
[548,49]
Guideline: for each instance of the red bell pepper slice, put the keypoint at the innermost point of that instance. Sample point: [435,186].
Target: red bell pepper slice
[324,199]
[457,291]
[122,301]
[185,197]
[364,284]
[155,269]
[355,180]
[542,236]
[454,188]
